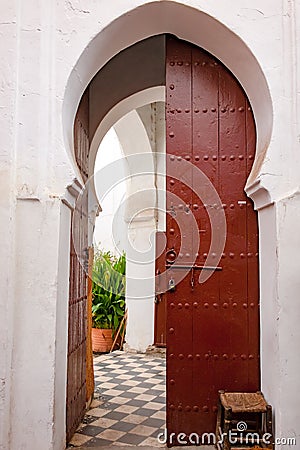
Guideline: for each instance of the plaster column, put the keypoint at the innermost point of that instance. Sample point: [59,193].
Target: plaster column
[140,284]
[140,217]
[38,370]
[288,319]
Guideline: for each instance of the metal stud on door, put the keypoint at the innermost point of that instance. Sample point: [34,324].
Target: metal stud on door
[212,327]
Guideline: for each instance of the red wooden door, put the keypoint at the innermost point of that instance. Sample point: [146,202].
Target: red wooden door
[212,327]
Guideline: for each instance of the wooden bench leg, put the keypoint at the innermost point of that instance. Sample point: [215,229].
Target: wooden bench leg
[269,425]
[219,425]
[227,427]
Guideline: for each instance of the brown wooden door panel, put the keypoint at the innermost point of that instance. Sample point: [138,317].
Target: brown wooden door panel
[77,325]
[212,328]
[76,371]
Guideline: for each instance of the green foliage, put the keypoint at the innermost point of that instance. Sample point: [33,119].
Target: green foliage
[108,307]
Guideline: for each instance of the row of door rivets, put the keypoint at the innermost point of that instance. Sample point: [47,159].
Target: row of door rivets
[205,110]
[231,206]
[242,255]
[231,255]
[179,207]
[181,356]
[225,305]
[179,63]
[225,357]
[216,357]
[206,157]
[179,110]
[240,109]
[181,255]
[196,206]
[203,63]
[186,305]
[223,157]
[193,408]
[196,63]
[205,206]
[240,204]
[232,110]
[213,109]
[197,110]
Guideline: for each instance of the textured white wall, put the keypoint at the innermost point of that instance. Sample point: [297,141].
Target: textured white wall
[8,84]
[49,53]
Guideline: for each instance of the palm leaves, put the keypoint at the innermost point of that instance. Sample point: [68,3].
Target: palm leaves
[108,306]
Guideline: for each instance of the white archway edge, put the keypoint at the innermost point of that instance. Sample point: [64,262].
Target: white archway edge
[188,23]
[127,105]
[134,139]
[120,110]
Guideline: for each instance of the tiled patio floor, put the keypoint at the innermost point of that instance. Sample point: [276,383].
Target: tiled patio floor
[129,405]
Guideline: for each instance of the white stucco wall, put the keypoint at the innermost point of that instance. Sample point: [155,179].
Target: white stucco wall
[8,29]
[49,53]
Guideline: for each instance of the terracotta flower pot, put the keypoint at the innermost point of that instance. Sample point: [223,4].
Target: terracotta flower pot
[101,340]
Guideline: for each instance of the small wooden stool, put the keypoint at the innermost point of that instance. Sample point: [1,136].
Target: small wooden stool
[243,420]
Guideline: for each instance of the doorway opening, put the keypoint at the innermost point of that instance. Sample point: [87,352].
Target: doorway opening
[210,136]
[139,387]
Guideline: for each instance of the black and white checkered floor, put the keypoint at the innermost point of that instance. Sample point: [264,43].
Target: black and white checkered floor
[129,405]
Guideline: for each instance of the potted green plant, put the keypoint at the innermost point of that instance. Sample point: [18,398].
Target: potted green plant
[108,293]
